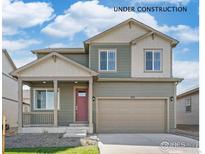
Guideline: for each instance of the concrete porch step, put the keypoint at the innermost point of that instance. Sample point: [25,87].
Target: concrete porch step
[77,132]
[78,125]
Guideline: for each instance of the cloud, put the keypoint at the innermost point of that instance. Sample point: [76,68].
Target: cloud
[16,45]
[17,15]
[184,33]
[189,70]
[23,61]
[177,2]
[57,45]
[91,18]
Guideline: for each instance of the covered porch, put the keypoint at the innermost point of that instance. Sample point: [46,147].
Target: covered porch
[61,94]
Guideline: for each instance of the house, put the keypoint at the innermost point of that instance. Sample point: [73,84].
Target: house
[26,100]
[120,82]
[188,107]
[9,91]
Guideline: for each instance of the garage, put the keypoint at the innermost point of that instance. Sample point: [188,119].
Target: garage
[131,116]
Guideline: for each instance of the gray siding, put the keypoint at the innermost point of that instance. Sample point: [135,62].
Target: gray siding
[79,58]
[137,89]
[123,60]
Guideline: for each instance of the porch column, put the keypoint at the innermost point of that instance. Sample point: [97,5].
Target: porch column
[90,105]
[20,103]
[55,83]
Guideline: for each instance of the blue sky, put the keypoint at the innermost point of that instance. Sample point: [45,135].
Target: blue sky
[29,24]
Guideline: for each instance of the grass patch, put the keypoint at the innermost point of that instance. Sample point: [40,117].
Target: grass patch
[74,150]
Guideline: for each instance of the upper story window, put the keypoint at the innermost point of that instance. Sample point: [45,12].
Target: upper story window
[153,60]
[107,60]
[44,99]
[188,104]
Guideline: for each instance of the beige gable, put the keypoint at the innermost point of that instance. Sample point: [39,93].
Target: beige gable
[51,67]
[124,34]
[138,58]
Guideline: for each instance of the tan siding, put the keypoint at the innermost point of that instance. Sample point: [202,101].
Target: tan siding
[137,89]
[124,33]
[131,116]
[51,68]
[138,67]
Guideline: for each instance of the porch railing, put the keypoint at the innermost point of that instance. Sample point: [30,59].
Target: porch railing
[38,119]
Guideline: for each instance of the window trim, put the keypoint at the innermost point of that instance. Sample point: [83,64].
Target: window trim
[107,50]
[34,99]
[189,105]
[161,60]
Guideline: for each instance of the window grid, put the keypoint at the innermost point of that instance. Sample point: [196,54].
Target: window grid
[107,59]
[35,98]
[153,60]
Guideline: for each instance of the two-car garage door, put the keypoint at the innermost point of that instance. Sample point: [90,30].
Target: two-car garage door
[131,116]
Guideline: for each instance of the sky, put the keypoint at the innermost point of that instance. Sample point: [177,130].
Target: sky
[29,25]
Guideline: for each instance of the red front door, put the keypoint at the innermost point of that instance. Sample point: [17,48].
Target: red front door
[81,104]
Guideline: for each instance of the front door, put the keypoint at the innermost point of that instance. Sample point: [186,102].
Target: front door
[81,104]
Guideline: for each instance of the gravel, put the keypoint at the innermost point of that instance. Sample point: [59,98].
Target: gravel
[40,140]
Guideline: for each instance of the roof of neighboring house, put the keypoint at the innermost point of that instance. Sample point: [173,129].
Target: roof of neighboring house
[59,50]
[174,41]
[188,92]
[9,58]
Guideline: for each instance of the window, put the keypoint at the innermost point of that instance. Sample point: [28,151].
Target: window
[188,104]
[44,99]
[107,60]
[153,60]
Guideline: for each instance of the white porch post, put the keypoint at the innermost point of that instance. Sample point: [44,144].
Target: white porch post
[20,103]
[90,105]
[55,83]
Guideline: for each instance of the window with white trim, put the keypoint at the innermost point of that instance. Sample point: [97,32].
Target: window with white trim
[153,60]
[188,104]
[107,60]
[44,99]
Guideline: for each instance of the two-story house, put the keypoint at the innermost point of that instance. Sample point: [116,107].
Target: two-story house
[121,82]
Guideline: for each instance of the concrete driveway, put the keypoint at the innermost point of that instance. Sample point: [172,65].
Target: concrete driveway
[146,143]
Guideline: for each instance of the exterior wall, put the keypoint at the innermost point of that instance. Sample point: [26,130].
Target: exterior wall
[51,68]
[188,118]
[137,89]
[66,111]
[79,58]
[138,57]
[7,66]
[122,34]
[10,110]
[123,60]
[9,93]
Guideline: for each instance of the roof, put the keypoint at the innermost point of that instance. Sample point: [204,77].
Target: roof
[141,79]
[59,50]
[188,92]
[9,58]
[15,73]
[174,41]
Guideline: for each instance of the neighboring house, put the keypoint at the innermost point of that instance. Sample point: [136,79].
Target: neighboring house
[9,91]
[121,82]
[188,107]
[26,100]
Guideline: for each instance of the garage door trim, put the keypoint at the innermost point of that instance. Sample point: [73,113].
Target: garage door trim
[136,98]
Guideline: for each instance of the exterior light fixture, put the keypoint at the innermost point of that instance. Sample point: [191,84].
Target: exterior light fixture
[93,98]
[44,82]
[171,98]
[75,82]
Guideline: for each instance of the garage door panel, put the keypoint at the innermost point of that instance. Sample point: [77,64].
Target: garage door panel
[131,116]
